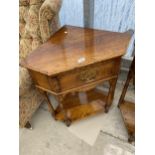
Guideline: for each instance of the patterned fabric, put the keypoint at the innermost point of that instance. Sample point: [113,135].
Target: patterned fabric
[29,2]
[33,21]
[23,19]
[29,102]
[38,19]
[36,43]
[48,12]
[25,81]
[23,2]
[25,47]
[23,13]
[35,1]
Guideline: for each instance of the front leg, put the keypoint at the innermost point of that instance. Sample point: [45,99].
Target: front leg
[110,94]
[50,107]
[67,120]
[131,138]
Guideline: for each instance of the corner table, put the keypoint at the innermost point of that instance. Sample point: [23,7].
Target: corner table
[71,64]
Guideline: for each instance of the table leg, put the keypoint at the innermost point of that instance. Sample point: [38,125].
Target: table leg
[50,107]
[129,77]
[131,138]
[66,118]
[110,94]
[28,125]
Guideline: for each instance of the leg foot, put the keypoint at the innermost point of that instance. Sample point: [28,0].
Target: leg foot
[28,125]
[131,138]
[106,109]
[68,122]
[53,115]
[118,106]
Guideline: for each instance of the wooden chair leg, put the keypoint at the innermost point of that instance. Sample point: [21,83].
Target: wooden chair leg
[28,125]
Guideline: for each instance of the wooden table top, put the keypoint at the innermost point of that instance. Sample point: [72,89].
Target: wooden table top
[73,47]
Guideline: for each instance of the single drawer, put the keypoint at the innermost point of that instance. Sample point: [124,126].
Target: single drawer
[45,82]
[88,74]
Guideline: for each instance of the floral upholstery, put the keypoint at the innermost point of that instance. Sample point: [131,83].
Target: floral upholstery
[38,20]
[48,11]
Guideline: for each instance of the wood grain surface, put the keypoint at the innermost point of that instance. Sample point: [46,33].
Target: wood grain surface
[78,108]
[74,47]
[76,60]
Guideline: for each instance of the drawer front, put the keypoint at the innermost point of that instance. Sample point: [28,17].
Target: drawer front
[86,75]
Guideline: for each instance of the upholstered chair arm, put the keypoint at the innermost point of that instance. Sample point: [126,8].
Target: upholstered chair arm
[25,81]
[48,13]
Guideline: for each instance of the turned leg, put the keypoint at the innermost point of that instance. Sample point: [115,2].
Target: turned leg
[28,125]
[66,118]
[110,94]
[68,122]
[131,138]
[50,107]
[124,90]
[131,75]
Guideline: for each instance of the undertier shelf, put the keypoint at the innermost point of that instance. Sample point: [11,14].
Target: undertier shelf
[78,106]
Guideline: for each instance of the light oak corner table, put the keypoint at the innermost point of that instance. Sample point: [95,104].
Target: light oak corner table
[72,64]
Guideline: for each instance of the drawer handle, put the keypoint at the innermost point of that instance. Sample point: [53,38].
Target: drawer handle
[88,75]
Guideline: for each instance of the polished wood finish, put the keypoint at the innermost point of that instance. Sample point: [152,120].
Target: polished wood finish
[63,50]
[88,74]
[76,60]
[77,108]
[77,77]
[128,108]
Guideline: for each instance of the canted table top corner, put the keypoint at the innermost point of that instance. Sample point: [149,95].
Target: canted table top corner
[72,47]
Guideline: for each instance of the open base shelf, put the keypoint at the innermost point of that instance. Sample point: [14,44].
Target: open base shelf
[79,106]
